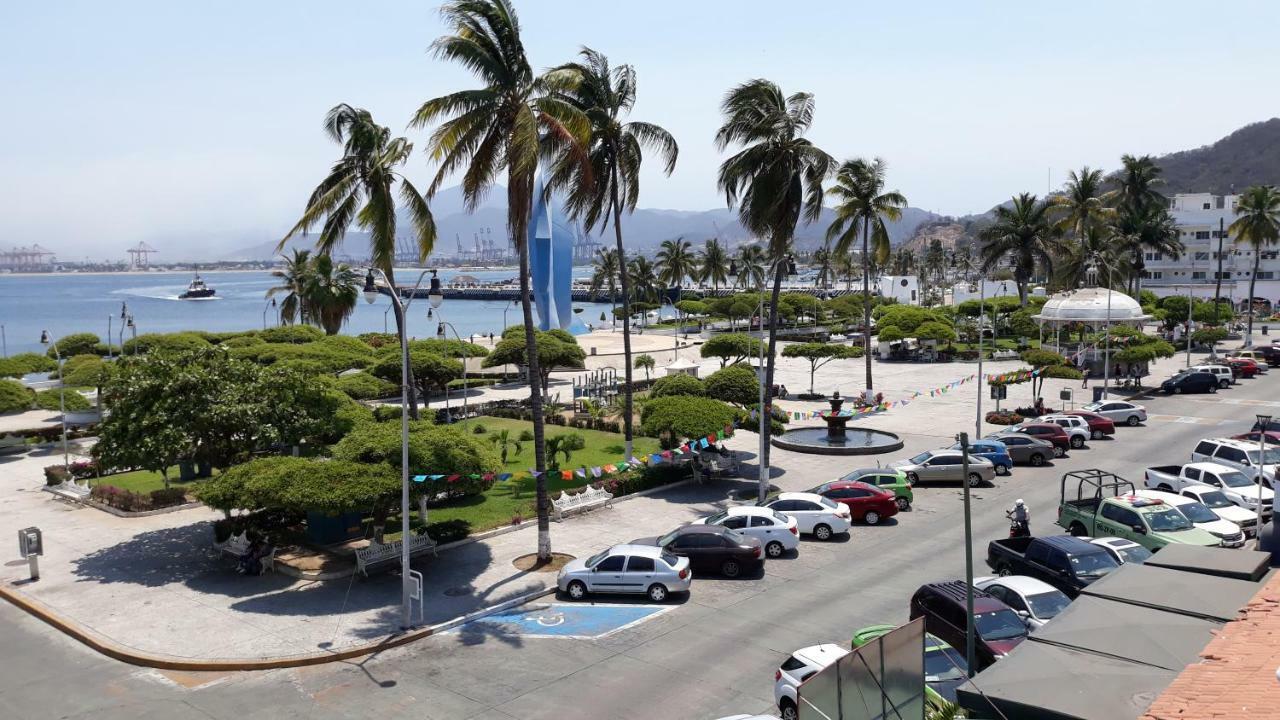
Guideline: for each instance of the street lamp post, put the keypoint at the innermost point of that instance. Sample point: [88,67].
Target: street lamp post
[982,299]
[968,557]
[62,395]
[440,333]
[1264,421]
[370,295]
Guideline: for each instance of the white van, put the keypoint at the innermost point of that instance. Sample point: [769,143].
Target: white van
[1221,372]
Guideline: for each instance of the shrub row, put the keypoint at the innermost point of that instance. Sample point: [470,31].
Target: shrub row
[130,501]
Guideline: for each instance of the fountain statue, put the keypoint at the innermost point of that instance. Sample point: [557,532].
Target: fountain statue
[836,420]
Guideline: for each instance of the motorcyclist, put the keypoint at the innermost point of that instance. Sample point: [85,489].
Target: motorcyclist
[1021,517]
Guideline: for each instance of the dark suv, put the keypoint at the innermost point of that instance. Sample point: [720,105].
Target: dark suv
[942,605]
[712,548]
[1189,382]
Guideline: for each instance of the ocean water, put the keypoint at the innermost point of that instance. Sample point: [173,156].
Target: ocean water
[63,304]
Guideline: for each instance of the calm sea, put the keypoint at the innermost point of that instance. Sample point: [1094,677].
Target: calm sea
[63,304]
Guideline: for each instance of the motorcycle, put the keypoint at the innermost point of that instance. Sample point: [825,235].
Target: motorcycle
[1018,528]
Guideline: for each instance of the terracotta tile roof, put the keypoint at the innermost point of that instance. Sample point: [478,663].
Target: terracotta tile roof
[1236,677]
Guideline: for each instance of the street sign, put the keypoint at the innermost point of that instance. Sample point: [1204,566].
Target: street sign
[999,392]
[1064,394]
[30,542]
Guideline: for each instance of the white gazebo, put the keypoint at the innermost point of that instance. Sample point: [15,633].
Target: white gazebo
[682,366]
[1097,309]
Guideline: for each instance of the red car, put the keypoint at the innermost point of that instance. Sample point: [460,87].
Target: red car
[1098,425]
[866,502]
[1244,367]
[1048,432]
[1272,436]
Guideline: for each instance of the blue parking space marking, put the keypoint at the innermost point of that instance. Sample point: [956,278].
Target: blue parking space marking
[561,620]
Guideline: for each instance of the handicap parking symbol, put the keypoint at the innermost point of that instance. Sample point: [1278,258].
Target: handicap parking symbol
[559,620]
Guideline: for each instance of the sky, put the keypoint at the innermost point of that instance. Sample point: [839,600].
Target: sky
[197,126]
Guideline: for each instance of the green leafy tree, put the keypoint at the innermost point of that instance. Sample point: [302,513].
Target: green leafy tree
[52,400]
[75,344]
[737,384]
[293,334]
[819,355]
[429,371]
[27,363]
[15,397]
[1210,336]
[449,347]
[165,342]
[1050,364]
[1022,233]
[676,418]
[1257,223]
[731,348]
[647,363]
[556,349]
[297,485]
[678,384]
[364,386]
[936,331]
[861,200]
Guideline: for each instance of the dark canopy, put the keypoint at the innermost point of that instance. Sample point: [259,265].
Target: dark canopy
[1239,564]
[1206,596]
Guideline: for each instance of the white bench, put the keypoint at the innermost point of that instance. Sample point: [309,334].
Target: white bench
[238,545]
[377,554]
[1004,355]
[592,497]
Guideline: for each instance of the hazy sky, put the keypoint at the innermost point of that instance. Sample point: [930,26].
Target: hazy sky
[197,125]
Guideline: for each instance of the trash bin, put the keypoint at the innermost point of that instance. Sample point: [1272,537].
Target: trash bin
[1097,394]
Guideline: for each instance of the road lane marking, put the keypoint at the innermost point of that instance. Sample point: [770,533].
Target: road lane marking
[1186,419]
[565,621]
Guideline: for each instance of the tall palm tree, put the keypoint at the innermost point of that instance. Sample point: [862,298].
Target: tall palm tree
[1258,223]
[360,190]
[1138,230]
[1135,183]
[903,261]
[863,201]
[643,277]
[847,265]
[1023,233]
[713,264]
[775,178]
[1082,205]
[606,275]
[293,278]
[1106,243]
[331,292]
[616,150]
[751,271]
[676,261]
[823,262]
[515,117]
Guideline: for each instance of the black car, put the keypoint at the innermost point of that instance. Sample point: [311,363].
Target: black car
[712,548]
[1190,382]
[942,605]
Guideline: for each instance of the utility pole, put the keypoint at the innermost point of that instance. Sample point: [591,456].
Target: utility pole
[1217,287]
[968,557]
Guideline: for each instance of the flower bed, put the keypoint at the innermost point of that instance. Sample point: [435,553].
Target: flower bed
[130,501]
[1004,417]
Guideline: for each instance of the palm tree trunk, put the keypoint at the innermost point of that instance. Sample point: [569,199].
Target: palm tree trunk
[626,317]
[1257,262]
[519,196]
[866,302]
[766,413]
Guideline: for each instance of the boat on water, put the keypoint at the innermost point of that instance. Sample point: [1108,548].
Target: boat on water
[197,290]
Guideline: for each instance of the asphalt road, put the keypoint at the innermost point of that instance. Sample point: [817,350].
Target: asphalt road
[709,655]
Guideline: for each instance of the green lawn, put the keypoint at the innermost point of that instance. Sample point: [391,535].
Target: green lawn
[144,481]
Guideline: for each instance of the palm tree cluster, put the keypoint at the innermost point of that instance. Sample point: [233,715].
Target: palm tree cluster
[317,291]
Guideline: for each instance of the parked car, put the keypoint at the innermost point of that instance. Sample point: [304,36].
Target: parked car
[1222,373]
[1269,353]
[1025,449]
[798,667]
[944,465]
[1189,381]
[1077,428]
[1106,504]
[992,451]
[1272,425]
[636,569]
[776,531]
[1035,601]
[942,605]
[1048,432]
[1123,551]
[866,502]
[1267,437]
[1258,356]
[1118,411]
[711,548]
[1099,425]
[1201,516]
[1067,563]
[814,514]
[1221,505]
[1244,367]
[945,668]
[1243,456]
[895,481]
[1234,484]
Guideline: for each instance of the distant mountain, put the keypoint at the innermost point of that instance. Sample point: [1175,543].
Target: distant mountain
[1248,156]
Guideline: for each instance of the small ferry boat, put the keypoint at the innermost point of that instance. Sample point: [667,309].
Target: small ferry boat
[197,290]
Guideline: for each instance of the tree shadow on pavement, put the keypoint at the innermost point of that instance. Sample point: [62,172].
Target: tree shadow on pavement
[171,555]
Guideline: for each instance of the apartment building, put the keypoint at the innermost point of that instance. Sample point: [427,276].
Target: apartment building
[1202,219]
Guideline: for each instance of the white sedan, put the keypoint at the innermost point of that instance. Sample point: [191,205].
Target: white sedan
[1120,412]
[798,667]
[815,515]
[776,531]
[1035,601]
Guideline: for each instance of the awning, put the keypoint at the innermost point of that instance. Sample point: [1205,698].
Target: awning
[1205,596]
[1129,632]
[1239,564]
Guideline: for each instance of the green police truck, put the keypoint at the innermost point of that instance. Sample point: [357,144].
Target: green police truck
[1105,505]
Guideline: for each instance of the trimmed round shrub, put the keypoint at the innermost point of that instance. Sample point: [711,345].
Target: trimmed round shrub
[165,342]
[26,363]
[15,397]
[49,399]
[679,417]
[240,341]
[291,334]
[735,384]
[363,386]
[85,371]
[680,384]
[433,449]
[74,344]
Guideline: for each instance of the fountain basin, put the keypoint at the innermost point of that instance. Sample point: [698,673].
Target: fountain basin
[856,441]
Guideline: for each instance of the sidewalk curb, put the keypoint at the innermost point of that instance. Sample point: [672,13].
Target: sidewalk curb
[116,651]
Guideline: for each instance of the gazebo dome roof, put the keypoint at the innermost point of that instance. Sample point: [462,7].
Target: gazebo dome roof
[1089,305]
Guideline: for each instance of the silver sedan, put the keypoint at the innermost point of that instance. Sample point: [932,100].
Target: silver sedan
[945,465]
[629,569]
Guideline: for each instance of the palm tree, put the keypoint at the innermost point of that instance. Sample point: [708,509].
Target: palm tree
[862,200]
[822,260]
[1100,242]
[713,264]
[331,293]
[1021,232]
[643,277]
[360,190]
[1258,223]
[606,274]
[751,270]
[615,152]
[646,362]
[1142,229]
[1082,205]
[503,441]
[293,279]
[775,178]
[676,261]
[1135,183]
[847,265]
[902,262]
[504,125]
[565,445]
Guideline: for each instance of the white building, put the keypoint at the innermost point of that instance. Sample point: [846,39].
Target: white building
[960,292]
[903,288]
[1202,220]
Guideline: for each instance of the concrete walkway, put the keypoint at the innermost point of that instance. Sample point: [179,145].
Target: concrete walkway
[151,583]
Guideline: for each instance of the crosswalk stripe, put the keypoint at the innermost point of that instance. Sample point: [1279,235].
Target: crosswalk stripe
[1187,419]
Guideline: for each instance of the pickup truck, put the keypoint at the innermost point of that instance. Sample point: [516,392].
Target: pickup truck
[1106,506]
[1238,487]
[1065,562]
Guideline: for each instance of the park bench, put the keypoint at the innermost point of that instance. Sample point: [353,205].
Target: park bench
[378,555]
[1004,355]
[590,498]
[721,466]
[13,444]
[237,545]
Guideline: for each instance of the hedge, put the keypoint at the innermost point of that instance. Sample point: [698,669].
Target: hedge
[25,364]
[49,399]
[174,342]
[74,344]
[363,386]
[735,384]
[15,397]
[291,334]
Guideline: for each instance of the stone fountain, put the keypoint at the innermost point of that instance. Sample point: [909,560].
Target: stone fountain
[837,439]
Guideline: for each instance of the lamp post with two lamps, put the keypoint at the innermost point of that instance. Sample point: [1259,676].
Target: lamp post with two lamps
[1106,354]
[62,395]
[370,295]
